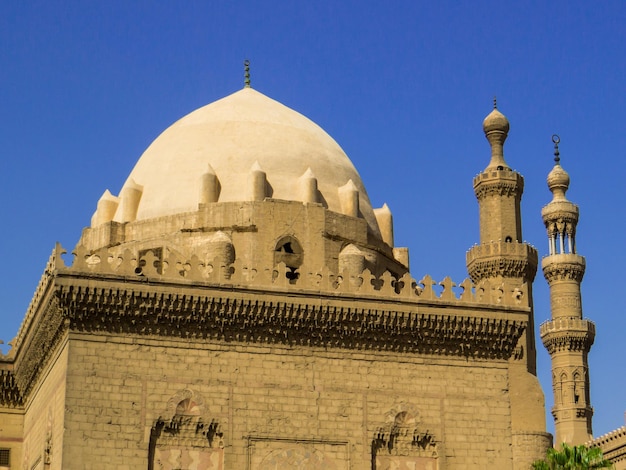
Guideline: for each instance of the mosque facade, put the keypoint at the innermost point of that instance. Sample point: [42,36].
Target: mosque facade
[241,305]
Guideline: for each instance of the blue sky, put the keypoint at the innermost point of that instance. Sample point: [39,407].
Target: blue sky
[403,87]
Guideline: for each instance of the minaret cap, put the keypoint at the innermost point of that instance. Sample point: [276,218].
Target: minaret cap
[496,128]
[496,121]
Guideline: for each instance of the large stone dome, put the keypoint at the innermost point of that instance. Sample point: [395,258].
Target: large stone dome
[232,135]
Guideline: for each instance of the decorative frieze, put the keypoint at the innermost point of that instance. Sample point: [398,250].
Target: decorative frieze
[230,318]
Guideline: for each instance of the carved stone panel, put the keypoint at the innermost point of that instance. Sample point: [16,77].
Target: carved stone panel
[405,463]
[292,454]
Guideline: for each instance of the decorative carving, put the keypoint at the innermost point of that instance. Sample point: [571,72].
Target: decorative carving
[151,267]
[505,182]
[297,456]
[9,393]
[149,312]
[35,354]
[556,269]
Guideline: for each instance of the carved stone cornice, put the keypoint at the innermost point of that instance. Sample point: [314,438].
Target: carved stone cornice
[563,267]
[223,316]
[505,182]
[567,334]
[9,393]
[37,351]
[502,259]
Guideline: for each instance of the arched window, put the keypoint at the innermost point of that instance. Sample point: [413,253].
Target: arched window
[289,251]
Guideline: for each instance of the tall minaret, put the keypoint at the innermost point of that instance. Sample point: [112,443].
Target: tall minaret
[567,337]
[502,257]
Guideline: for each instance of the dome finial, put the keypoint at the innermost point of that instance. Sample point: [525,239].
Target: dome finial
[246,65]
[556,140]
[495,102]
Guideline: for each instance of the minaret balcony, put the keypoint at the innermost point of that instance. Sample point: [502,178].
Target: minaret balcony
[502,259]
[567,334]
[498,182]
[563,267]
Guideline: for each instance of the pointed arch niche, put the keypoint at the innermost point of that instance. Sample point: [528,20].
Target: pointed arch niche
[402,443]
[184,437]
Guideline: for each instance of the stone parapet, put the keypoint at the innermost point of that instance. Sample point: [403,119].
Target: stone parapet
[613,445]
[567,334]
[503,182]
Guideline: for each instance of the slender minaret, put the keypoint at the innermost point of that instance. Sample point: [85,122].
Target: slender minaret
[502,257]
[567,337]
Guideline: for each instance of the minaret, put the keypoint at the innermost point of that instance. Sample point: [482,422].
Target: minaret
[567,337]
[502,257]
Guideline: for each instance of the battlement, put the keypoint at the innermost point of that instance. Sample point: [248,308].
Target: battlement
[150,268]
[567,324]
[500,248]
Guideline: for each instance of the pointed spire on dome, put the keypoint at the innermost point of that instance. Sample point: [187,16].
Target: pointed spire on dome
[385,223]
[349,199]
[308,186]
[257,182]
[209,186]
[558,178]
[246,65]
[105,211]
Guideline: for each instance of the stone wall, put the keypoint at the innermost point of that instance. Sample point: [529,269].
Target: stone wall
[259,407]
[11,430]
[44,417]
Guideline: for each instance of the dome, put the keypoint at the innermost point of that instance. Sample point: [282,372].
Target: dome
[496,121]
[243,132]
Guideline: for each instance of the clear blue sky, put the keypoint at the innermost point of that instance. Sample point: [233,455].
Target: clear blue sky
[403,86]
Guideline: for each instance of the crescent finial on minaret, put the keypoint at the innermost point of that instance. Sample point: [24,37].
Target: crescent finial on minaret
[556,140]
[246,64]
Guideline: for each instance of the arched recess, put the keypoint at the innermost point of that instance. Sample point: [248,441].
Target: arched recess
[402,443]
[185,437]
